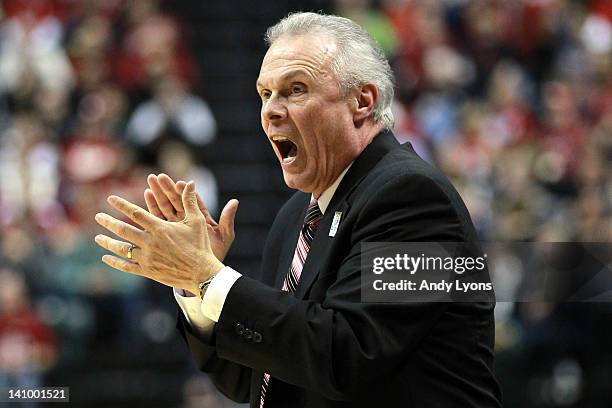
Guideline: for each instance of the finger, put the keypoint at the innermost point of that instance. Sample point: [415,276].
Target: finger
[169,188]
[228,215]
[163,203]
[202,207]
[152,204]
[120,228]
[117,247]
[139,215]
[123,265]
[190,201]
[180,187]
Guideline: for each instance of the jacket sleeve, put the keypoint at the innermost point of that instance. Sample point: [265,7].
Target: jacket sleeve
[338,346]
[232,379]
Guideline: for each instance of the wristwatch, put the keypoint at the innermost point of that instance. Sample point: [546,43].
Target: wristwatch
[203,286]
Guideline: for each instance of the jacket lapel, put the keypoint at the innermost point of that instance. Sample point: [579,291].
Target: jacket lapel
[382,144]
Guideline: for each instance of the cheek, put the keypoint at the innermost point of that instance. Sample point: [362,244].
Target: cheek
[316,125]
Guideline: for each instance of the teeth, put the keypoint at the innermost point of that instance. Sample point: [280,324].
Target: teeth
[280,139]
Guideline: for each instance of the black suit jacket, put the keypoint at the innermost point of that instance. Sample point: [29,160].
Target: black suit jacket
[322,345]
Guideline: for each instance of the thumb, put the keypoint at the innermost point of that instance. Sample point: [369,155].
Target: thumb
[226,220]
[190,201]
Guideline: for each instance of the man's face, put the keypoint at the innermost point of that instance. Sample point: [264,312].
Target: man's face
[306,116]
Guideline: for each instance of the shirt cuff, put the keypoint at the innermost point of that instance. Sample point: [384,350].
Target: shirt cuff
[217,291]
[191,307]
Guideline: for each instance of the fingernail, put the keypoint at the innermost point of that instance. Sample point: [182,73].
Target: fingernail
[98,217]
[112,199]
[98,238]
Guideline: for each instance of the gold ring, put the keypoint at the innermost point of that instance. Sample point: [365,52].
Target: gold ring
[129,251]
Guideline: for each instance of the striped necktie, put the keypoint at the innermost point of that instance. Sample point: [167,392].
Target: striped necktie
[311,223]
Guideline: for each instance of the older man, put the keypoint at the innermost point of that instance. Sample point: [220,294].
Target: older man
[302,336]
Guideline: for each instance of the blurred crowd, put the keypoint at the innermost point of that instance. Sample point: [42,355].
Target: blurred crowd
[512,99]
[94,95]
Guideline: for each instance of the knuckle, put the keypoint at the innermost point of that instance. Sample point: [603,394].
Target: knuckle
[121,230]
[136,215]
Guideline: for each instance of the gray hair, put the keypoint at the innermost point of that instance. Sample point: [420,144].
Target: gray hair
[359,59]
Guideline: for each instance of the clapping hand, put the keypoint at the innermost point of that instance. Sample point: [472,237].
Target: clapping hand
[178,253]
[163,199]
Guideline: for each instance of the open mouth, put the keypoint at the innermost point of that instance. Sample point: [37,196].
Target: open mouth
[286,148]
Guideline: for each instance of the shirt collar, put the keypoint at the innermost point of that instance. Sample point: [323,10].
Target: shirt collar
[327,195]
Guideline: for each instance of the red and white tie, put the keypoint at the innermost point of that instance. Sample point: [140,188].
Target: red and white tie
[311,223]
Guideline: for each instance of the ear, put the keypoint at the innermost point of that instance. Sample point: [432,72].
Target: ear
[365,99]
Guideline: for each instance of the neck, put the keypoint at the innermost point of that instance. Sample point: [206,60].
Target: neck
[365,134]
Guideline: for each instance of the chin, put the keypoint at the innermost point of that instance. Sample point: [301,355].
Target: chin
[294,182]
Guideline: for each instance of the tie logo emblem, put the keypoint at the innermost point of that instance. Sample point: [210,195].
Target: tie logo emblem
[335,223]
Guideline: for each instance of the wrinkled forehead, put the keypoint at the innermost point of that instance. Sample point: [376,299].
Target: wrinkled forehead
[313,52]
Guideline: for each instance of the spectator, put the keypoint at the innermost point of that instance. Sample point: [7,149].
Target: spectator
[28,347]
[173,109]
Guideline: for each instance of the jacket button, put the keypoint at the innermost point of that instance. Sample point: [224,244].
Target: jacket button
[257,337]
[239,329]
[248,334]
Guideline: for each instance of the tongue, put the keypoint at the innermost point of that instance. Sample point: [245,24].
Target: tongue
[293,152]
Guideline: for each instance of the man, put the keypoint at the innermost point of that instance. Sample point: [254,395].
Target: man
[301,336]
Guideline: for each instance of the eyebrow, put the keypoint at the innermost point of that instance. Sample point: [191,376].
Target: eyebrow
[286,77]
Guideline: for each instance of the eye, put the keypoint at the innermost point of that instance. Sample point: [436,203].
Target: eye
[298,88]
[265,94]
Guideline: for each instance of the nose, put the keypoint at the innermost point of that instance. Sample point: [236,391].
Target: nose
[274,109]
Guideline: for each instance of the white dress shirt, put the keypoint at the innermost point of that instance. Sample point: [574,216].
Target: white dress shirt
[202,315]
